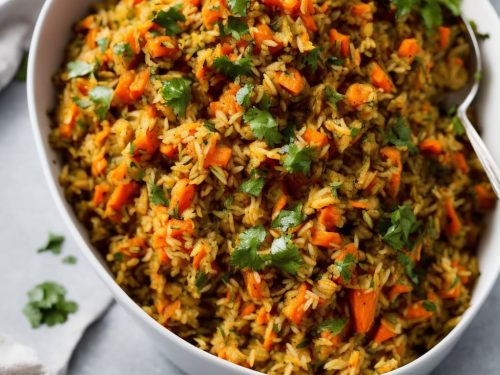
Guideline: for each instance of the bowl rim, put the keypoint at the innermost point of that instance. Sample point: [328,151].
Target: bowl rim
[91,254]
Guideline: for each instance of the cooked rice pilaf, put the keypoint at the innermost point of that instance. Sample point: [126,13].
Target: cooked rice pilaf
[277,181]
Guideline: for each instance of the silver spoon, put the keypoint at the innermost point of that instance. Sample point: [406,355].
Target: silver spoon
[465,96]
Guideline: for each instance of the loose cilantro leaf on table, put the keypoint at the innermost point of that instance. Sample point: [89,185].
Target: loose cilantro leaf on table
[285,255]
[298,160]
[479,34]
[399,135]
[243,95]
[404,224]
[101,96]
[157,195]
[335,326]
[70,259]
[345,266]
[54,244]
[47,305]
[233,69]
[245,254]
[263,126]
[176,93]
[79,69]
[169,20]
[238,7]
[287,219]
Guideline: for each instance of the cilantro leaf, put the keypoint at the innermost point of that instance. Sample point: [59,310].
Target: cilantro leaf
[429,306]
[333,97]
[169,20]
[233,69]
[236,27]
[399,135]
[311,59]
[285,255]
[245,254]
[287,219]
[79,69]
[345,266]
[431,14]
[47,305]
[210,126]
[243,95]
[22,70]
[335,326]
[452,5]
[157,195]
[54,244]
[409,266]
[404,224]
[263,126]
[404,7]
[457,126]
[102,44]
[200,281]
[479,34]
[176,93]
[334,60]
[298,159]
[335,187]
[101,96]
[70,259]
[253,186]
[123,49]
[289,132]
[82,103]
[238,7]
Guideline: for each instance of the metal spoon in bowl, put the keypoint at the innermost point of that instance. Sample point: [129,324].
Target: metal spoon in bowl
[465,96]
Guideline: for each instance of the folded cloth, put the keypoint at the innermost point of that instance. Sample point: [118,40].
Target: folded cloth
[17,18]
[17,359]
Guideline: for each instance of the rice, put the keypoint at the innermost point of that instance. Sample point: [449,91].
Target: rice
[279,185]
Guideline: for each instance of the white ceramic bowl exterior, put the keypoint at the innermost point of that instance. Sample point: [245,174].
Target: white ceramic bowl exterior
[53,31]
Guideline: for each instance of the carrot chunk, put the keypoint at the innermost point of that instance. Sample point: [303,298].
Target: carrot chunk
[176,228]
[291,80]
[358,94]
[255,288]
[340,41]
[200,255]
[444,36]
[227,103]
[408,49]
[485,198]
[431,146]
[262,33]
[279,205]
[147,143]
[69,121]
[460,162]
[294,309]
[384,332]
[99,164]
[247,310]
[362,10]
[381,79]
[315,138]
[121,195]
[269,337]
[363,306]
[325,239]
[100,192]
[398,289]
[212,11]
[453,225]
[394,155]
[330,217]
[162,46]
[182,195]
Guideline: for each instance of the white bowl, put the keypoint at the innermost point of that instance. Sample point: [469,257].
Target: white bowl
[53,31]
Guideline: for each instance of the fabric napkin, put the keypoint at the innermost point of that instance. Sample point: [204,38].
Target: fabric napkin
[27,214]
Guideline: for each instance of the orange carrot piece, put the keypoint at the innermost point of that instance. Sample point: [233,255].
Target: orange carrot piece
[460,162]
[325,239]
[342,40]
[417,312]
[218,156]
[453,225]
[121,195]
[394,155]
[398,289]
[195,3]
[99,164]
[139,84]
[361,204]
[176,228]
[90,39]
[363,307]
[381,79]
[147,143]
[362,10]
[262,316]
[162,46]
[118,174]
[122,89]
[254,287]
[485,198]
[288,6]
[291,80]
[279,205]
[450,292]
[358,94]
[444,36]
[227,102]
[269,339]
[199,257]
[309,22]
[100,192]
[315,137]
[168,150]
[384,332]
[294,309]
[212,11]
[247,310]
[169,311]
[69,121]
[431,146]
[182,195]
[408,49]
[330,217]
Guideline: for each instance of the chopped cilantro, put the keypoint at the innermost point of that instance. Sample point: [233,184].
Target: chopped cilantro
[298,160]
[176,93]
[243,95]
[22,70]
[335,326]
[54,244]
[123,49]
[236,27]
[210,126]
[82,103]
[429,306]
[333,97]
[238,7]
[79,69]
[289,132]
[311,59]
[233,69]
[287,219]
[334,60]
[399,135]
[245,254]
[404,224]
[201,280]
[404,7]
[263,126]
[480,35]
[345,266]
[70,259]
[457,126]
[253,186]
[175,212]
[102,44]
[409,266]
[431,14]
[101,96]
[157,195]
[47,305]
[335,188]
[169,20]
[430,10]
[285,255]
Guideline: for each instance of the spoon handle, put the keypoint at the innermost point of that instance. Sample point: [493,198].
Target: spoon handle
[490,167]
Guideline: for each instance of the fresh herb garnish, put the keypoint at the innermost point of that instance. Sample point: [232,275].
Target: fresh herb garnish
[245,254]
[480,35]
[169,20]
[285,255]
[298,160]
[335,326]
[54,244]
[287,219]
[238,7]
[430,10]
[333,97]
[429,306]
[70,259]
[200,281]
[243,95]
[399,135]
[79,69]
[404,224]
[409,266]
[101,96]
[263,126]
[253,185]
[334,60]
[233,69]
[102,44]
[311,59]
[176,93]
[123,49]
[210,126]
[457,126]
[345,266]
[289,132]
[335,188]
[236,27]
[48,305]
[157,195]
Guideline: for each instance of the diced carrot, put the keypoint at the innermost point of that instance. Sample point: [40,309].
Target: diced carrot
[170,311]
[262,316]
[444,36]
[88,22]
[177,228]
[212,11]
[227,102]
[340,41]
[325,239]
[69,121]
[168,150]
[146,144]
[315,137]
[453,225]
[99,164]
[460,162]
[363,307]
[451,292]
[254,287]
[279,205]
[309,22]
[398,289]
[431,146]
[336,340]
[417,311]
[100,192]
[182,195]
[485,198]
[200,255]
[384,332]
[294,309]
[307,7]
[362,10]
[122,89]
[330,217]
[162,46]
[121,195]
[195,3]
[90,39]
[132,40]
[361,204]
[119,174]
[394,155]
[349,248]
[288,6]
[269,337]
[102,135]
[358,94]
[380,78]
[247,309]
[291,80]
[408,49]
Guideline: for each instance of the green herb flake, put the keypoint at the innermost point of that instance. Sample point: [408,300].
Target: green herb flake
[233,69]
[311,59]
[263,126]
[285,255]
[335,326]
[79,69]
[123,49]
[399,135]
[70,259]
[457,126]
[200,281]
[478,76]
[298,160]
[102,44]
[335,61]
[253,186]
[238,7]
[176,93]
[82,103]
[289,132]
[243,95]
[101,96]
[236,27]
[245,254]
[210,126]
[429,306]
[169,20]
[287,219]
[404,7]
[157,195]
[482,36]
[333,97]
[335,188]
[54,244]
[47,305]
[409,266]
[403,225]
[346,266]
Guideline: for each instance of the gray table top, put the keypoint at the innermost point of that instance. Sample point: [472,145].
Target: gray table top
[115,346]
